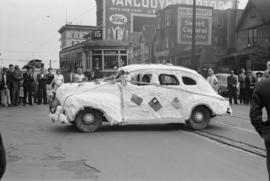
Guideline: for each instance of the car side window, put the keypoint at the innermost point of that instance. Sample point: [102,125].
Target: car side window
[167,79]
[188,81]
[135,79]
[141,79]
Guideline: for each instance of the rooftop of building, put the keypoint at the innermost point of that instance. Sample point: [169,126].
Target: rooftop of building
[76,27]
[262,7]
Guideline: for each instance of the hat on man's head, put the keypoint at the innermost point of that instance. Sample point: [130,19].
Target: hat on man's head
[16,66]
[10,65]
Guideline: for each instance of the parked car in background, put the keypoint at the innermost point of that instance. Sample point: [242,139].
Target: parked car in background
[259,74]
[222,81]
[140,94]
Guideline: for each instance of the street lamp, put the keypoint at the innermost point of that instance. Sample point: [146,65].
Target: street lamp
[193,56]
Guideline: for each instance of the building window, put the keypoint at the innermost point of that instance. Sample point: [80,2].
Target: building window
[111,59]
[158,22]
[252,37]
[72,35]
[87,56]
[97,60]
[110,62]
[72,42]
[166,42]
[78,35]
[168,19]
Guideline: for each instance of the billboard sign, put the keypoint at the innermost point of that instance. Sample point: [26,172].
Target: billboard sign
[119,18]
[144,6]
[203,25]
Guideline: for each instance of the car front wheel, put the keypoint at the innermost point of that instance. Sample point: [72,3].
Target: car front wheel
[200,118]
[88,120]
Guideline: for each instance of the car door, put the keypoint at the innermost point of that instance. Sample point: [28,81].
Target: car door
[171,96]
[155,102]
[140,99]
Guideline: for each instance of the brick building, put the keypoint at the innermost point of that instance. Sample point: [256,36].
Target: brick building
[213,44]
[74,34]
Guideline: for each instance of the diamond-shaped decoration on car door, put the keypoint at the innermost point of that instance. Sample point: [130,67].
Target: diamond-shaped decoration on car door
[155,104]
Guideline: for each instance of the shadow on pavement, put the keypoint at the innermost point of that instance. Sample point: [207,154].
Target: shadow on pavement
[124,128]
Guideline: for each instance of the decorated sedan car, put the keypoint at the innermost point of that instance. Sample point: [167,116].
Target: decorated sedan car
[139,94]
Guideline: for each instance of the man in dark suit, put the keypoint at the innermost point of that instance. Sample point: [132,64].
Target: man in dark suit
[261,99]
[10,80]
[42,87]
[250,85]
[16,78]
[28,88]
[2,158]
[232,87]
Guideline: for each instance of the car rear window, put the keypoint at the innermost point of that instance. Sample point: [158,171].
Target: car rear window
[188,81]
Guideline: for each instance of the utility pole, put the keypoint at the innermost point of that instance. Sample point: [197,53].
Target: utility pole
[50,63]
[193,57]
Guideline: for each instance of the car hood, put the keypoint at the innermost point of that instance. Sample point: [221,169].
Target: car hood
[70,89]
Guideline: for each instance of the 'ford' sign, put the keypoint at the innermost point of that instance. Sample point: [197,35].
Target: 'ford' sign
[118,19]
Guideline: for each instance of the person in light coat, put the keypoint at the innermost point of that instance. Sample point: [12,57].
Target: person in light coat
[212,79]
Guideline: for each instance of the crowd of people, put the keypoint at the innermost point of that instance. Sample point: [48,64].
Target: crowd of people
[29,86]
[244,83]
[21,87]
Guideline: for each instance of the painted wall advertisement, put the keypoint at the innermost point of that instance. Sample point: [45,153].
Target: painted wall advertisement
[203,25]
[121,15]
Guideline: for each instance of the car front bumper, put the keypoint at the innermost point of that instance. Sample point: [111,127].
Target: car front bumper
[58,116]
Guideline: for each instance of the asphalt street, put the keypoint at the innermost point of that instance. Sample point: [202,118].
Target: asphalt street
[38,149]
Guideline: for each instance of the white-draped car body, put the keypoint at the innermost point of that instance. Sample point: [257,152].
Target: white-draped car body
[139,94]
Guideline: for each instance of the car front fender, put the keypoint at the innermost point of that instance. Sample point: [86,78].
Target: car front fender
[109,104]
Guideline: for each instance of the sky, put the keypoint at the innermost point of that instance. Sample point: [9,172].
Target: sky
[28,28]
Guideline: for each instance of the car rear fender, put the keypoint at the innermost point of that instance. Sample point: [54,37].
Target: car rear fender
[207,106]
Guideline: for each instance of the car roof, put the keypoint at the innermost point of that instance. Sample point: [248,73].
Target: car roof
[222,74]
[134,67]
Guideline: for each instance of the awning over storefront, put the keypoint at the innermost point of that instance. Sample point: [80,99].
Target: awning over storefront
[255,50]
[105,43]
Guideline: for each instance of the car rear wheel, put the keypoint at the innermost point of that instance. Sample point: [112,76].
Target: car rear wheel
[88,120]
[200,118]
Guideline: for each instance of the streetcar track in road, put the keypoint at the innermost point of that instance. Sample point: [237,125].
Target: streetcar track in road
[233,143]
[237,127]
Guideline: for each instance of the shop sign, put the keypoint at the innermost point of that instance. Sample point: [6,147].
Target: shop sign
[203,25]
[97,35]
[146,5]
[118,19]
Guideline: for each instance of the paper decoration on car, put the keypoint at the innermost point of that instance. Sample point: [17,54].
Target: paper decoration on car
[155,104]
[136,99]
[176,103]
